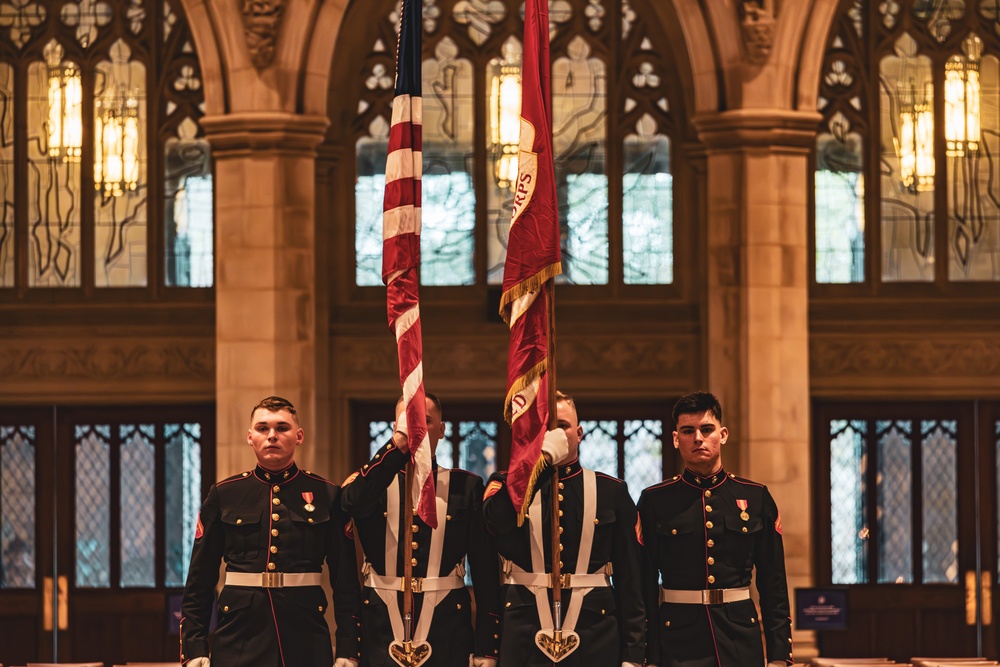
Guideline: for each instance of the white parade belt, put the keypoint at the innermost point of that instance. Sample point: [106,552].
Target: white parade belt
[710,596]
[420,584]
[273,579]
[567,580]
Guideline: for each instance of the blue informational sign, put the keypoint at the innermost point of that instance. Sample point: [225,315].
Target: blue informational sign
[821,608]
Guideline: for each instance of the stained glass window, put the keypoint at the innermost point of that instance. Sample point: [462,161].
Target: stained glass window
[93,508]
[599,446]
[939,450]
[182,497]
[935,80]
[115,87]
[17,507]
[643,454]
[848,507]
[137,510]
[471,95]
[895,489]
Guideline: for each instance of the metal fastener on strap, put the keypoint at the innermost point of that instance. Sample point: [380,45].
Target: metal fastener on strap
[272,579]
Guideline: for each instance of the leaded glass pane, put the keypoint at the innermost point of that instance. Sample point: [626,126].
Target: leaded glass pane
[895,489]
[478,447]
[939,447]
[137,512]
[55,139]
[6,175]
[445,451]
[188,209]
[840,204]
[939,15]
[647,207]
[181,497]
[369,190]
[971,104]
[379,433]
[503,101]
[120,175]
[448,216]
[93,510]
[848,515]
[579,110]
[906,108]
[17,507]
[643,454]
[599,446]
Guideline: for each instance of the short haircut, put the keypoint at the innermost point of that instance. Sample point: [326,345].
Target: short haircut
[565,398]
[695,403]
[432,398]
[275,404]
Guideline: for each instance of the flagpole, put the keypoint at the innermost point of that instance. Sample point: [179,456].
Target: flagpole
[550,366]
[408,558]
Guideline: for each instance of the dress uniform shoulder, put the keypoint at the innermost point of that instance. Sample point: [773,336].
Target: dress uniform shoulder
[611,478]
[665,483]
[743,480]
[238,477]
[318,478]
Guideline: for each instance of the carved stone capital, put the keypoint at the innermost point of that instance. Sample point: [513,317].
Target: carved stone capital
[757,22]
[261,22]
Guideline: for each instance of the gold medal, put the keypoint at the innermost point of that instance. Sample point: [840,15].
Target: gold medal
[308,497]
[743,515]
[743,505]
[310,507]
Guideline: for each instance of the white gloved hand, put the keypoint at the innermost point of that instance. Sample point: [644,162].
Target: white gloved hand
[401,423]
[345,662]
[483,662]
[555,445]
[198,662]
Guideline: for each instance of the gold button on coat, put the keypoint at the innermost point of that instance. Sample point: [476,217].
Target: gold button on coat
[711,579]
[275,517]
[277,488]
[709,525]
[274,549]
[276,501]
[270,566]
[711,561]
[708,508]
[274,532]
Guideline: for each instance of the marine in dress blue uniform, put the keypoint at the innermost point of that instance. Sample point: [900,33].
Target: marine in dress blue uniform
[274,527]
[451,633]
[704,532]
[611,623]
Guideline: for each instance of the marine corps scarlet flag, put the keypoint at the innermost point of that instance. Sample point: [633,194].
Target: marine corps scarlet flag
[532,259]
[401,250]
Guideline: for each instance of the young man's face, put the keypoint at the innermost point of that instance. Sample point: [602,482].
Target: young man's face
[699,438]
[435,427]
[274,437]
[570,424]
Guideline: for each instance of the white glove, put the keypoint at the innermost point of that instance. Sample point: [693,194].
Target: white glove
[555,445]
[198,662]
[401,423]
[345,662]
[476,661]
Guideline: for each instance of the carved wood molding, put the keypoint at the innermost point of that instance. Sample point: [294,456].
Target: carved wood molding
[120,364]
[261,22]
[962,360]
[660,364]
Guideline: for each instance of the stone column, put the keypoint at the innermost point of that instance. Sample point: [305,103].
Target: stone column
[757,329]
[267,334]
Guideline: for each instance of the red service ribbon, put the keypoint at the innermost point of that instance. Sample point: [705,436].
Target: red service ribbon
[308,497]
[742,504]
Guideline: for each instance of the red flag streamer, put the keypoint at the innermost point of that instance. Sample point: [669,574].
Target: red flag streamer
[533,258]
[401,251]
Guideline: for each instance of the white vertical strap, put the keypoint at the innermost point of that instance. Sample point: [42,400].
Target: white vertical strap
[586,544]
[432,598]
[538,560]
[391,549]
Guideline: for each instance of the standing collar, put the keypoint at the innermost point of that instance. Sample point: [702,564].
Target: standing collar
[270,477]
[569,469]
[716,478]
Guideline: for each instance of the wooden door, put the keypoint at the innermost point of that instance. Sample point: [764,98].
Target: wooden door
[117,493]
[906,521]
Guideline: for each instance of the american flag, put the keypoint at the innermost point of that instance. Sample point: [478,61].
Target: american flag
[533,257]
[401,250]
